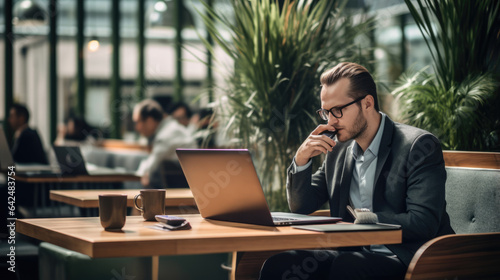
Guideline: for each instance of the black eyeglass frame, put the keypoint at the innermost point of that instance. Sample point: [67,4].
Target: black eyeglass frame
[321,115]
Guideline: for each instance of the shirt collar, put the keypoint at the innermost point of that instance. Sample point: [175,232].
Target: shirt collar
[375,144]
[160,126]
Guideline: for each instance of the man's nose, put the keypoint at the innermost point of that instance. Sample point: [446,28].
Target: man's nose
[331,119]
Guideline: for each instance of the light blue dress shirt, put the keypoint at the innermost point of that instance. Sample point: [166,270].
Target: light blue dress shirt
[363,175]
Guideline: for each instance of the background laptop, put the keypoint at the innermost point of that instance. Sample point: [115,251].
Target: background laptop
[226,187]
[7,160]
[72,163]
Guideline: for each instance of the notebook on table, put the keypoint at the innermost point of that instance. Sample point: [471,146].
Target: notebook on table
[226,187]
[349,227]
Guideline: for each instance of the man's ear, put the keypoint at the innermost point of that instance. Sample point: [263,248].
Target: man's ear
[369,102]
[154,122]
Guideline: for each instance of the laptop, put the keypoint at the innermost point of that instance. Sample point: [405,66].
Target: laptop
[69,159]
[72,163]
[6,159]
[226,187]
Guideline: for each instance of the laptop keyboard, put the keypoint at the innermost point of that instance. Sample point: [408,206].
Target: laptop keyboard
[281,219]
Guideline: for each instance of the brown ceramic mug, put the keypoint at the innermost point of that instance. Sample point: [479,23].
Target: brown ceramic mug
[112,210]
[153,203]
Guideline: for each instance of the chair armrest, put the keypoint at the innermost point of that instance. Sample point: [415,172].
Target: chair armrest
[462,255]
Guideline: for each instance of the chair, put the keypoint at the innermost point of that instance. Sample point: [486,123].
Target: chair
[472,159]
[461,256]
[473,197]
[172,175]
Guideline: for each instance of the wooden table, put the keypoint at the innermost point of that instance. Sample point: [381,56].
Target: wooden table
[85,235]
[176,200]
[115,178]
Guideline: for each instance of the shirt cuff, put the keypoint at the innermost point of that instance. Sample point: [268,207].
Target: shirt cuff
[297,169]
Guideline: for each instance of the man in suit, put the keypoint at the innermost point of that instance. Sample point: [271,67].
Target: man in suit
[27,147]
[394,170]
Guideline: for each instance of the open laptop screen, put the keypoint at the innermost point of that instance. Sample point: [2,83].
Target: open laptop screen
[226,187]
[6,159]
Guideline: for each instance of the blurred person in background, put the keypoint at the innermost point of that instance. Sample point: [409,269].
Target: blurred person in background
[182,113]
[207,133]
[164,136]
[27,146]
[76,131]
[199,124]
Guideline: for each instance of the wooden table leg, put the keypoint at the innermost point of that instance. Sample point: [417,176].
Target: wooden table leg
[234,263]
[155,266]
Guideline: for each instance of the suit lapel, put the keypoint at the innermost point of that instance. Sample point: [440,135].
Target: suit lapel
[345,183]
[385,149]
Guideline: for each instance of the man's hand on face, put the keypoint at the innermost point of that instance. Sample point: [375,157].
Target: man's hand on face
[315,144]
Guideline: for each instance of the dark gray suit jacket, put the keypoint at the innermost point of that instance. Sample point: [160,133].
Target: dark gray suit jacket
[409,186]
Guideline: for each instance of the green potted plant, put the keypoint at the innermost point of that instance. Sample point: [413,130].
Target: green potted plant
[459,101]
[271,96]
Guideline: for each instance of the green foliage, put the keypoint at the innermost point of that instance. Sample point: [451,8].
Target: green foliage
[458,103]
[456,115]
[273,92]
[462,35]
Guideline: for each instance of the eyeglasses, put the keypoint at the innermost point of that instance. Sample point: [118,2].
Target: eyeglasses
[336,111]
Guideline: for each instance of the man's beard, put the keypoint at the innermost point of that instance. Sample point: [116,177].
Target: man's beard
[359,128]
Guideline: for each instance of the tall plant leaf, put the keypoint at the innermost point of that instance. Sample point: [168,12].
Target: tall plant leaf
[463,36]
[459,101]
[279,54]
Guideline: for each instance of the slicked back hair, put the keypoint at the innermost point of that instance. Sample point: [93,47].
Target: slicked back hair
[361,82]
[149,108]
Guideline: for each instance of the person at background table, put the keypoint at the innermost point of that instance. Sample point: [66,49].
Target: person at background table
[395,170]
[197,124]
[164,135]
[76,131]
[27,146]
[208,134]
[183,114]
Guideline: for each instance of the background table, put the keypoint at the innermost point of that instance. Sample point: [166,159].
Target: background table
[33,191]
[176,201]
[108,178]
